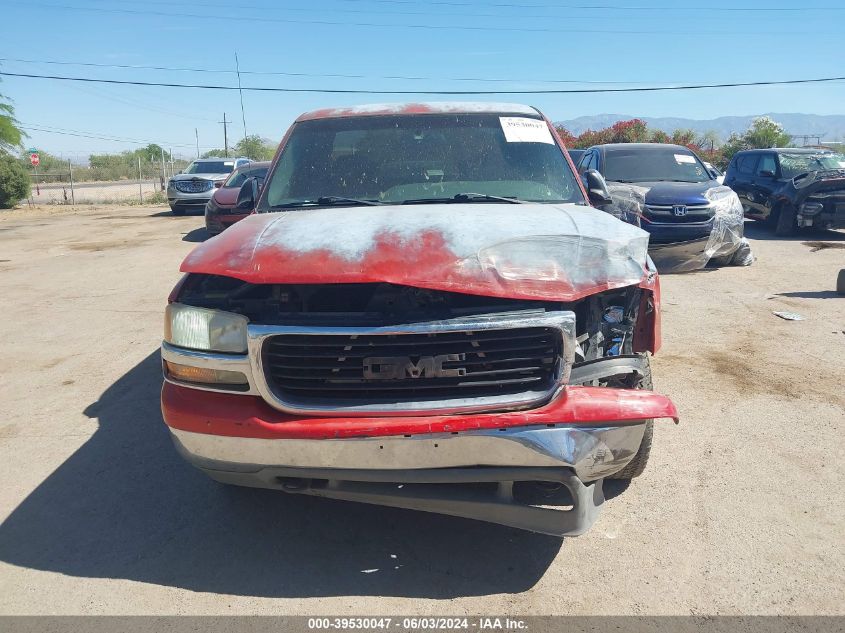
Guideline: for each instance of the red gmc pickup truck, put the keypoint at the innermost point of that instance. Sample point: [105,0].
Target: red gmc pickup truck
[424,312]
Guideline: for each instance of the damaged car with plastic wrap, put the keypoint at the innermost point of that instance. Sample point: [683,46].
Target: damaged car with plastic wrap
[424,312]
[692,220]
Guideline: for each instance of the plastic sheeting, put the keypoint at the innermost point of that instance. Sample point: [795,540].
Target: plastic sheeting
[725,245]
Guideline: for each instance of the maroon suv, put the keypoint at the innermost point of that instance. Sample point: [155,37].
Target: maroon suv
[220,212]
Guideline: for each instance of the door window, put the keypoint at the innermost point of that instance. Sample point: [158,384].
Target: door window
[745,164]
[767,164]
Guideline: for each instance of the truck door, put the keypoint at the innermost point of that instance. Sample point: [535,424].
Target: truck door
[763,184]
[741,182]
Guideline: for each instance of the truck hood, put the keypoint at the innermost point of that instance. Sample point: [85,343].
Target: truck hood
[530,251]
[688,193]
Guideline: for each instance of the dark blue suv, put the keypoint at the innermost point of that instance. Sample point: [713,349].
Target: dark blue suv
[670,182]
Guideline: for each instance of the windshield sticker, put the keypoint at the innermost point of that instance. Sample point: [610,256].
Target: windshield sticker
[522,130]
[684,158]
[842,163]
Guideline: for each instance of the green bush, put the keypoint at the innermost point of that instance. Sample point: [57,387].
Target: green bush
[14,182]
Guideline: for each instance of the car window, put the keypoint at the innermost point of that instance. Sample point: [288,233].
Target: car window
[427,157]
[239,177]
[210,167]
[796,164]
[653,164]
[767,163]
[745,164]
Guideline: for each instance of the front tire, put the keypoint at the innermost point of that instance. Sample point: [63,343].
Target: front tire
[787,222]
[636,466]
[177,211]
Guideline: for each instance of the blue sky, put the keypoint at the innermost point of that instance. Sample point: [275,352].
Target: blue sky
[529,42]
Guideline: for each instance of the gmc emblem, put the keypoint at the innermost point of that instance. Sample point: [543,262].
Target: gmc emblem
[679,210]
[402,367]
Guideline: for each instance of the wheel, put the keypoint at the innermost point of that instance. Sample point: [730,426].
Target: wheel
[177,211]
[637,465]
[787,222]
[840,282]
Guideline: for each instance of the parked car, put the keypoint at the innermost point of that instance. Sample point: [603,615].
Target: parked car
[191,189]
[790,187]
[668,190]
[221,211]
[423,296]
[576,154]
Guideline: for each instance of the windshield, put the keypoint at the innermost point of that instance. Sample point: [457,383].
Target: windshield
[671,164]
[421,158]
[210,167]
[239,177]
[792,165]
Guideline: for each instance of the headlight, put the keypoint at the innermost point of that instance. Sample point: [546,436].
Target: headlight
[811,208]
[204,329]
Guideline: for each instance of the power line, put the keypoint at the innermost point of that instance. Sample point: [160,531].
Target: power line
[431,92]
[439,27]
[35,127]
[513,5]
[611,7]
[522,16]
[301,74]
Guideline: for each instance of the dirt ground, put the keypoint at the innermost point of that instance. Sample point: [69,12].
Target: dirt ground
[741,510]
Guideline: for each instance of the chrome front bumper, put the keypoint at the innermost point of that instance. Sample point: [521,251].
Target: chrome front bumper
[484,470]
[591,452]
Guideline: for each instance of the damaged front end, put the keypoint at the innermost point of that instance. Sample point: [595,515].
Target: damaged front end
[499,374]
[818,198]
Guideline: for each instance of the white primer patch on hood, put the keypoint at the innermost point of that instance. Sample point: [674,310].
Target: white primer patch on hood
[569,244]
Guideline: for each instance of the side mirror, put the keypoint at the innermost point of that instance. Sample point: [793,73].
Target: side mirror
[596,188]
[248,195]
[767,174]
[218,184]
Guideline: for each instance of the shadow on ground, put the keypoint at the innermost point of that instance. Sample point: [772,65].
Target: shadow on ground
[126,506]
[760,231]
[812,294]
[197,235]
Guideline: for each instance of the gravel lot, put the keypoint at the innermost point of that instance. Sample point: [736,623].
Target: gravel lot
[741,510]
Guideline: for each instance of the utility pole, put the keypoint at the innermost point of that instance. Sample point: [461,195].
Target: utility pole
[197,134]
[240,90]
[225,136]
[140,190]
[163,174]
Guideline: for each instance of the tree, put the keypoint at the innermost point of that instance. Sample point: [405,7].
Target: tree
[255,147]
[763,133]
[10,134]
[14,182]
[214,153]
[150,153]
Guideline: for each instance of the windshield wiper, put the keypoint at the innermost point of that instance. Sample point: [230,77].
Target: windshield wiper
[464,198]
[326,201]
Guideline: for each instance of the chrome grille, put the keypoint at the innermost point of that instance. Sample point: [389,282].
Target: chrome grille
[193,186]
[444,366]
[664,214]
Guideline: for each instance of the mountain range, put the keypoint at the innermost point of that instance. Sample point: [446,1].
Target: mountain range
[831,127]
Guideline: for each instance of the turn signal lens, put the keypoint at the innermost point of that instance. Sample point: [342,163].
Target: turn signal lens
[205,376]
